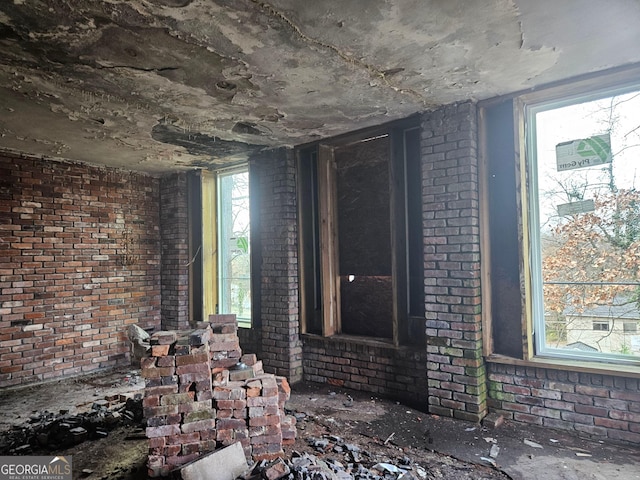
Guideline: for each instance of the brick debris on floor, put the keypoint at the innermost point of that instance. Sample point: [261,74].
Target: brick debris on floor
[334,458]
[49,431]
[306,466]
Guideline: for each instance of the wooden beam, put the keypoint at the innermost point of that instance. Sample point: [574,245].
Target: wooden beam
[523,230]
[209,244]
[397,195]
[485,241]
[328,201]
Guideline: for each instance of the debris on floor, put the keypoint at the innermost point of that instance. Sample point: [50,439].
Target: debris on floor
[532,444]
[306,466]
[51,431]
[336,441]
[224,464]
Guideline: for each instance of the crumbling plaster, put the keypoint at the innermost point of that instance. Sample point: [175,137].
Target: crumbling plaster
[155,85]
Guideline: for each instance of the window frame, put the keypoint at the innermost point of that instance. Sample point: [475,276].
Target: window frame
[322,153]
[220,174]
[525,108]
[602,325]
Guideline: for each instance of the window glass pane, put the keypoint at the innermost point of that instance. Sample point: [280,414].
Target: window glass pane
[586,205]
[235,273]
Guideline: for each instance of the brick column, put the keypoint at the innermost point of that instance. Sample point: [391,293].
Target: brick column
[455,368]
[281,347]
[174,232]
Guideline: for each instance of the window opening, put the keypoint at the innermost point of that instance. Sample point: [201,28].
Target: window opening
[601,326]
[310,261]
[364,238]
[234,243]
[361,238]
[584,171]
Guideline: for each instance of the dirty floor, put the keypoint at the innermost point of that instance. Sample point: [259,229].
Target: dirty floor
[385,430]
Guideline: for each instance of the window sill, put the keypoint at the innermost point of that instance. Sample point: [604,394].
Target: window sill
[356,339]
[617,370]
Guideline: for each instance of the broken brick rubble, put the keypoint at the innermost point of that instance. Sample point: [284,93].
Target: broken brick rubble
[197,400]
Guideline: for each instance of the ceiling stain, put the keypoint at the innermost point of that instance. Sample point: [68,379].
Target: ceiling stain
[89,79]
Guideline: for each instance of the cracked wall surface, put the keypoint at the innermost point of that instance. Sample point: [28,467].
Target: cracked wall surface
[155,85]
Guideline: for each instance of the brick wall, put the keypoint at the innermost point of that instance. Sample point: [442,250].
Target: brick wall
[174,228]
[455,370]
[396,372]
[281,348]
[598,405]
[79,261]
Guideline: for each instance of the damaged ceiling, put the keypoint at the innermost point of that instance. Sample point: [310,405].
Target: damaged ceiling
[155,85]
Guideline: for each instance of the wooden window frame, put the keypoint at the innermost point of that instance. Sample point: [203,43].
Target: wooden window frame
[406,329]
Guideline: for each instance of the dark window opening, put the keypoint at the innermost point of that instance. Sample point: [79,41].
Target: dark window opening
[311,286]
[364,238]
[379,247]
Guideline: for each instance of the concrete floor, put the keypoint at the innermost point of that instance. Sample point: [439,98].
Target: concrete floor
[561,456]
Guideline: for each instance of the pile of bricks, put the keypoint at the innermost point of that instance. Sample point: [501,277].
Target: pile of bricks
[178,400]
[202,393]
[224,345]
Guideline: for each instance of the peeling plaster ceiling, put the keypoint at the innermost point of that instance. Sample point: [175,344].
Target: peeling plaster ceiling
[155,85]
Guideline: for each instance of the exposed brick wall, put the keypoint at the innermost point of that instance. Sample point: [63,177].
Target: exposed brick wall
[598,405]
[396,372]
[79,261]
[174,228]
[455,369]
[281,348]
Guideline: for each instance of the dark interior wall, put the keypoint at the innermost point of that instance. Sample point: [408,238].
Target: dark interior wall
[79,261]
[364,238]
[502,197]
[174,233]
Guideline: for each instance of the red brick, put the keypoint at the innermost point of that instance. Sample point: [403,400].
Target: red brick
[230,424]
[194,406]
[151,401]
[263,439]
[163,338]
[183,438]
[168,361]
[162,431]
[194,368]
[177,398]
[161,390]
[198,426]
[262,401]
[263,421]
[200,358]
[172,450]
[160,350]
